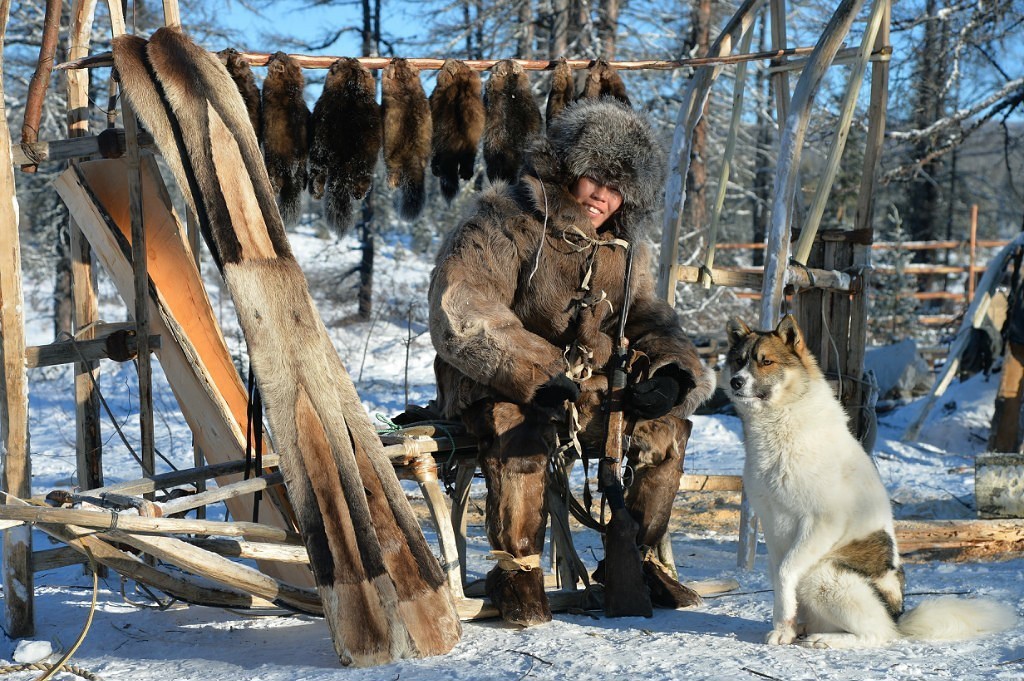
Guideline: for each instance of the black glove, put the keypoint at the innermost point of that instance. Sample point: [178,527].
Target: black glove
[556,391]
[659,394]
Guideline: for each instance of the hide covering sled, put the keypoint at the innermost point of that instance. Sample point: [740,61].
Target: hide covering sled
[384,593]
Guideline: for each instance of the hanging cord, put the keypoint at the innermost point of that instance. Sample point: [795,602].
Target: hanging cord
[446,470]
[254,439]
[544,232]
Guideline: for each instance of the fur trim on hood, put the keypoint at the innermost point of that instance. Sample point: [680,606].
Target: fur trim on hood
[610,143]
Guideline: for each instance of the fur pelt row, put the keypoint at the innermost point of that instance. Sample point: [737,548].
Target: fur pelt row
[332,151]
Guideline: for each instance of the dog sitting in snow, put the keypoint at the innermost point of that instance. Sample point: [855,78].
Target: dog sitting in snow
[825,513]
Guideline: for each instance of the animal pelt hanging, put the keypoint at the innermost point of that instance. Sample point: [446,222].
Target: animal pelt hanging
[384,594]
[408,129]
[346,140]
[238,69]
[285,133]
[604,81]
[562,92]
[458,114]
[511,120]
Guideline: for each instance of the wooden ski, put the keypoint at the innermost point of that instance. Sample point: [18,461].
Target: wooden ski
[384,594]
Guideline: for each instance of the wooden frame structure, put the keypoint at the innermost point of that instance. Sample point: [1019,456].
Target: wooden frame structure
[138,256]
[830,268]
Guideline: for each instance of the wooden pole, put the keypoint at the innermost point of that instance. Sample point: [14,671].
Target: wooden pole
[973,257]
[19,615]
[40,82]
[876,128]
[690,112]
[139,265]
[307,61]
[85,306]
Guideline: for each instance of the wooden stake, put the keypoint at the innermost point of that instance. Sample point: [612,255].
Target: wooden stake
[19,617]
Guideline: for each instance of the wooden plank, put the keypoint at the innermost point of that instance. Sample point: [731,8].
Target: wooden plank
[194,355]
[66,352]
[19,614]
[132,523]
[691,482]
[958,540]
[53,559]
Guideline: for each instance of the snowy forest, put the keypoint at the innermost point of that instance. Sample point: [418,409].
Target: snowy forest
[953,130]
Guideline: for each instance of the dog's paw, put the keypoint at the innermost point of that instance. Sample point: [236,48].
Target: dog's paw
[781,636]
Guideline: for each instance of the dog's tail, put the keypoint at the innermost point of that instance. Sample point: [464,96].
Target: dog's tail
[950,618]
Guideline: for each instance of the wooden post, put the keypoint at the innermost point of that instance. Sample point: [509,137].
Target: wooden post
[19,615]
[139,264]
[973,257]
[85,308]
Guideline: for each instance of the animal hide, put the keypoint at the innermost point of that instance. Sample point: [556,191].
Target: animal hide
[563,90]
[511,120]
[408,128]
[346,140]
[458,114]
[384,594]
[285,132]
[238,69]
[604,81]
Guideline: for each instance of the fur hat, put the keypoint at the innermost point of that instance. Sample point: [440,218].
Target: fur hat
[607,141]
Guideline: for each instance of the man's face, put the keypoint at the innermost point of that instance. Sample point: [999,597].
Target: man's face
[600,201]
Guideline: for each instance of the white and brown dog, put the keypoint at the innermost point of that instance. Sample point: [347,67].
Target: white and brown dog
[824,511]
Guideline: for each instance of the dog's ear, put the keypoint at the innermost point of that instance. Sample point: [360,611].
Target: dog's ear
[789,332]
[736,330]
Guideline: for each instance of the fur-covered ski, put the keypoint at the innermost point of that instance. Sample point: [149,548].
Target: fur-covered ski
[384,593]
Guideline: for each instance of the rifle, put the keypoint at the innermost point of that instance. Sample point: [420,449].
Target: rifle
[625,591]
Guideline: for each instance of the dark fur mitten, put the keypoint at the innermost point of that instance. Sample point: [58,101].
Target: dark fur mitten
[604,81]
[512,119]
[240,72]
[407,133]
[346,140]
[285,136]
[458,113]
[563,90]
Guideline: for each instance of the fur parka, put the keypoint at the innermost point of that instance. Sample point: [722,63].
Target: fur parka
[506,290]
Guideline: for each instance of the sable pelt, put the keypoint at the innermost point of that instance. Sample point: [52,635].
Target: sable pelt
[511,120]
[346,140]
[408,129]
[562,92]
[238,68]
[285,132]
[604,81]
[457,110]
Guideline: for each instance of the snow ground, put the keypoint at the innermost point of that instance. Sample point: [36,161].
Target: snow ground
[132,639]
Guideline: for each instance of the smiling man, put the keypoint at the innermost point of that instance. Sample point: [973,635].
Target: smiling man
[524,300]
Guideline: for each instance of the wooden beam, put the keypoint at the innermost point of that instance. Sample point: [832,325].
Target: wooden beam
[958,540]
[118,346]
[108,144]
[19,615]
[306,61]
[804,278]
[176,478]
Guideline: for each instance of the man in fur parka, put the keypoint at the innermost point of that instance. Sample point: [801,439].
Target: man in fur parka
[525,300]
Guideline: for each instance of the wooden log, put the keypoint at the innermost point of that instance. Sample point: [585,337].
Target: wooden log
[118,346]
[132,523]
[800,277]
[959,540]
[19,618]
[221,493]
[223,571]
